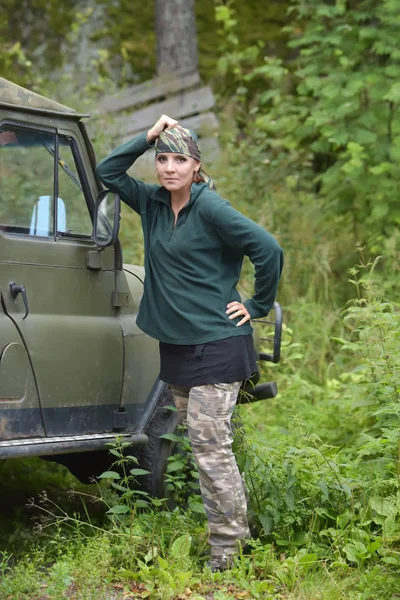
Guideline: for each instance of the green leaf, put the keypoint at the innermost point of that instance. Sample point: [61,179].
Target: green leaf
[391,560]
[152,553]
[301,538]
[266,522]
[170,436]
[337,564]
[163,563]
[132,458]
[307,560]
[119,509]
[196,505]
[110,475]
[324,488]
[218,595]
[175,466]
[374,546]
[137,471]
[380,210]
[382,168]
[393,94]
[350,553]
[120,488]
[126,574]
[116,453]
[384,507]
[363,136]
[181,546]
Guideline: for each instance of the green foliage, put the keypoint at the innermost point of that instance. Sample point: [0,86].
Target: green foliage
[163,578]
[182,478]
[327,480]
[14,64]
[128,31]
[242,49]
[30,35]
[115,40]
[328,117]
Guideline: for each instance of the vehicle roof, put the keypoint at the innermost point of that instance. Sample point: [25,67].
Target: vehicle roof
[16,96]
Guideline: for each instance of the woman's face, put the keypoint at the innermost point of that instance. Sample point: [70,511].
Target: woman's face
[175,171]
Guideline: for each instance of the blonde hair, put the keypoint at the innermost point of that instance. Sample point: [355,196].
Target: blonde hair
[197,178]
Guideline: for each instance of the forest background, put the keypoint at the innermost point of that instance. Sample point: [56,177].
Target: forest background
[308,99]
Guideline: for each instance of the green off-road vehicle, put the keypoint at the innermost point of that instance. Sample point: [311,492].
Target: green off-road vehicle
[75,370]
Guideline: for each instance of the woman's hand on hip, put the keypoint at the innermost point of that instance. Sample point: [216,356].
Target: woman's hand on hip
[164,122]
[237,309]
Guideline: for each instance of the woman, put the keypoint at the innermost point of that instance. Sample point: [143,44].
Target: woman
[194,247]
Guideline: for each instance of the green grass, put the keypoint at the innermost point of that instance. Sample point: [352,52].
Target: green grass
[148,555]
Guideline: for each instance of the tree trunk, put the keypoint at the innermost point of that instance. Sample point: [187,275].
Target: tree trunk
[176,37]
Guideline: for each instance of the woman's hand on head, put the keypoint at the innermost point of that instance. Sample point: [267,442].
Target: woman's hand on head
[164,122]
[237,309]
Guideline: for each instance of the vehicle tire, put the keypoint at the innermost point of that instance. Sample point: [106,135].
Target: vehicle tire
[154,456]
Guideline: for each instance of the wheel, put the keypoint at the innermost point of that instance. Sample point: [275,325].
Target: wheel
[171,478]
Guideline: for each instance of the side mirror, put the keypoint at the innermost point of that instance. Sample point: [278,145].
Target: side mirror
[106,218]
[276,340]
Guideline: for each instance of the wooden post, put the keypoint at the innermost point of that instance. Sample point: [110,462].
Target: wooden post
[176,37]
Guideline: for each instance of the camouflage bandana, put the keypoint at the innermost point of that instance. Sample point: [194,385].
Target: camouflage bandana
[182,141]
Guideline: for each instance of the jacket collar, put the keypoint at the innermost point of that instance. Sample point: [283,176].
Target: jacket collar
[163,195]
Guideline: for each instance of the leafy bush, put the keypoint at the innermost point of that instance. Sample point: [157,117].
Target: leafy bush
[327,118]
[324,475]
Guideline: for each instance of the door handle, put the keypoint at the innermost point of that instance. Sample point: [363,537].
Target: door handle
[15,290]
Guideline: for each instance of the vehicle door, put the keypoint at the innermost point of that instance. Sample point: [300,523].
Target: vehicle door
[20,413]
[57,300]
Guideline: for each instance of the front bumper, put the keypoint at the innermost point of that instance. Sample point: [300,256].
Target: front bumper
[252,392]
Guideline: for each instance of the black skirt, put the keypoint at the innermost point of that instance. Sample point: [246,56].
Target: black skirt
[222,361]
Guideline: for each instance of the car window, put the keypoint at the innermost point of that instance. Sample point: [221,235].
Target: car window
[27,186]
[73,214]
[26,182]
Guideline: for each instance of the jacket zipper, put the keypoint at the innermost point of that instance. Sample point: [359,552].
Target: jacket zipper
[174,225]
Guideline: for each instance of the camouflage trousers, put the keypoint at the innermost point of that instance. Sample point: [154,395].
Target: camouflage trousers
[207,410]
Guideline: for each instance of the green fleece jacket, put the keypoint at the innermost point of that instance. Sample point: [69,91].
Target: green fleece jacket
[192,269]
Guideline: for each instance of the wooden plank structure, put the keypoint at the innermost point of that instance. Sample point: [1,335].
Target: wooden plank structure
[176,91]
[183,105]
[147,92]
[136,108]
